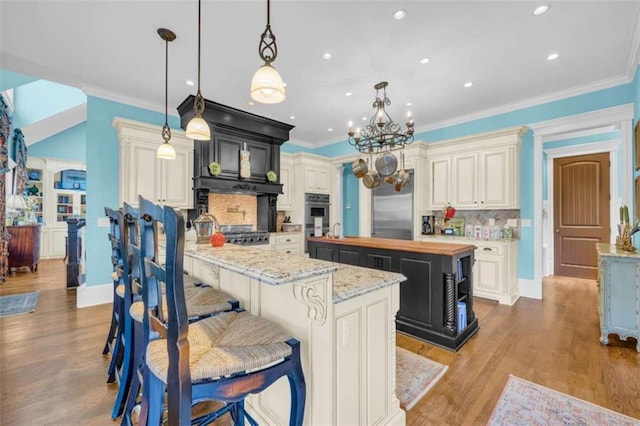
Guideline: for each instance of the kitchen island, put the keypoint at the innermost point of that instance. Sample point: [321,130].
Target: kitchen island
[436,301]
[343,316]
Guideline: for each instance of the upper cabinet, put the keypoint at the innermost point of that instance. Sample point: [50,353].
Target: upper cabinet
[285,200]
[142,173]
[477,172]
[313,172]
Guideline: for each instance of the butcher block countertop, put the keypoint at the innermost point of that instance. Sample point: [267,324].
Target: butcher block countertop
[446,249]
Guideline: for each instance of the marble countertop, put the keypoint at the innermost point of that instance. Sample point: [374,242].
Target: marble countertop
[605,249]
[276,268]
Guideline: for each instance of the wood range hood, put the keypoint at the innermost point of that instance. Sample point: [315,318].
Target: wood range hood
[232,131]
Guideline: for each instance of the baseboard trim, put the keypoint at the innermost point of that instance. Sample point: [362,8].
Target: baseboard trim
[90,295]
[530,288]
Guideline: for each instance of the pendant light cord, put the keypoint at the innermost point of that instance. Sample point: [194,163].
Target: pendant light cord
[166,82]
[268,13]
[199,13]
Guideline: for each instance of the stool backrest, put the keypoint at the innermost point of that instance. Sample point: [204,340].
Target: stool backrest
[175,320]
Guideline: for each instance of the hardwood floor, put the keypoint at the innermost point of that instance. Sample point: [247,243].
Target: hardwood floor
[52,371]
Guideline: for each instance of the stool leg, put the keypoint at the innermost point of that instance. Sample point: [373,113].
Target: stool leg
[298,387]
[116,349]
[154,389]
[134,387]
[127,366]
[112,332]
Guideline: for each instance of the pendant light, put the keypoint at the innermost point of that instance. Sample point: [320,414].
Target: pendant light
[267,86]
[198,128]
[166,151]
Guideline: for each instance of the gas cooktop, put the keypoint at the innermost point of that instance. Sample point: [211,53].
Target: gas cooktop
[244,235]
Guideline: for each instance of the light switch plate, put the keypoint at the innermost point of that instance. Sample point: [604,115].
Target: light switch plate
[103,222]
[525,223]
[512,222]
[492,222]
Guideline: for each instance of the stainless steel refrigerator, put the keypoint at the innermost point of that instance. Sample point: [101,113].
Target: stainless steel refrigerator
[392,211]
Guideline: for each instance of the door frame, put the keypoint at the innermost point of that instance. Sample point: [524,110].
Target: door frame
[610,146]
[621,117]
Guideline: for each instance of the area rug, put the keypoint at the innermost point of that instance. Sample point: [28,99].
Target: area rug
[415,375]
[526,403]
[18,303]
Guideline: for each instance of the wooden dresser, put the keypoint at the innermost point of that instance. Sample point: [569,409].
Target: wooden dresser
[619,293]
[24,246]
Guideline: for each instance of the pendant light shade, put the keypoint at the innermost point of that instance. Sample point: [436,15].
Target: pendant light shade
[198,128]
[267,86]
[165,150]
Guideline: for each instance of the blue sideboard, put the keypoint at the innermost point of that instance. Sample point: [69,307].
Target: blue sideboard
[619,293]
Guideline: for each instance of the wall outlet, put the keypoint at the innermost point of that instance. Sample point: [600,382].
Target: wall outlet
[492,222]
[512,222]
[103,222]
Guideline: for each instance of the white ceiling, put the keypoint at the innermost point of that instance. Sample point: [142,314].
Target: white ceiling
[112,48]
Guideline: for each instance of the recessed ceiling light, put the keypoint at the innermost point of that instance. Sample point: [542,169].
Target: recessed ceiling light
[424,60]
[364,118]
[330,129]
[190,83]
[326,55]
[292,117]
[541,9]
[409,103]
[468,84]
[553,56]
[284,84]
[251,103]
[348,93]
[399,14]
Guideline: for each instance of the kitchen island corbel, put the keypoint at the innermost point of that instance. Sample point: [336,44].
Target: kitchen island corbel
[344,317]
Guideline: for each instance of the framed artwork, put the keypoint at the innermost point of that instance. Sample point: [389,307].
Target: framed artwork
[636,145]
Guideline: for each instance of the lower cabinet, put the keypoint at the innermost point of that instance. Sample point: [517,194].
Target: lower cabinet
[289,242]
[24,246]
[495,272]
[619,293]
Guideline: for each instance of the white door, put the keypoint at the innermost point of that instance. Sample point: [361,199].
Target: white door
[176,178]
[465,181]
[440,181]
[494,179]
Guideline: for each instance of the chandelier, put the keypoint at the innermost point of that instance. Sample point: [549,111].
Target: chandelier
[381,133]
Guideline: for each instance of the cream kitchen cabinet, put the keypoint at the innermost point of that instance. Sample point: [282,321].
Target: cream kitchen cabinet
[476,172]
[288,242]
[495,272]
[439,181]
[314,172]
[286,174]
[142,173]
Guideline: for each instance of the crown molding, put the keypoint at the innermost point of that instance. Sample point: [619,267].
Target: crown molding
[124,99]
[579,122]
[40,130]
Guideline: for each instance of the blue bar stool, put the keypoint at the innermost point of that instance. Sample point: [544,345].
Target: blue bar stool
[223,358]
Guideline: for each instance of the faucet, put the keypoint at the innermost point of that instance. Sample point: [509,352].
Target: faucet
[336,234]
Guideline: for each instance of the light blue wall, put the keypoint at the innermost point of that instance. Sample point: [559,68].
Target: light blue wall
[350,189]
[11,80]
[41,99]
[102,176]
[70,144]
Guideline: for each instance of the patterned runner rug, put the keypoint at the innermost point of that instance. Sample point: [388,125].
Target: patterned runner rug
[18,303]
[415,375]
[526,403]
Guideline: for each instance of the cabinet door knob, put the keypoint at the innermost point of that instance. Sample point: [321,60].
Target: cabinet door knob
[557,231]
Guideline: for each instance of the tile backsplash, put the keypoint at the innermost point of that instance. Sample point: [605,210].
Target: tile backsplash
[234,209]
[481,217]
